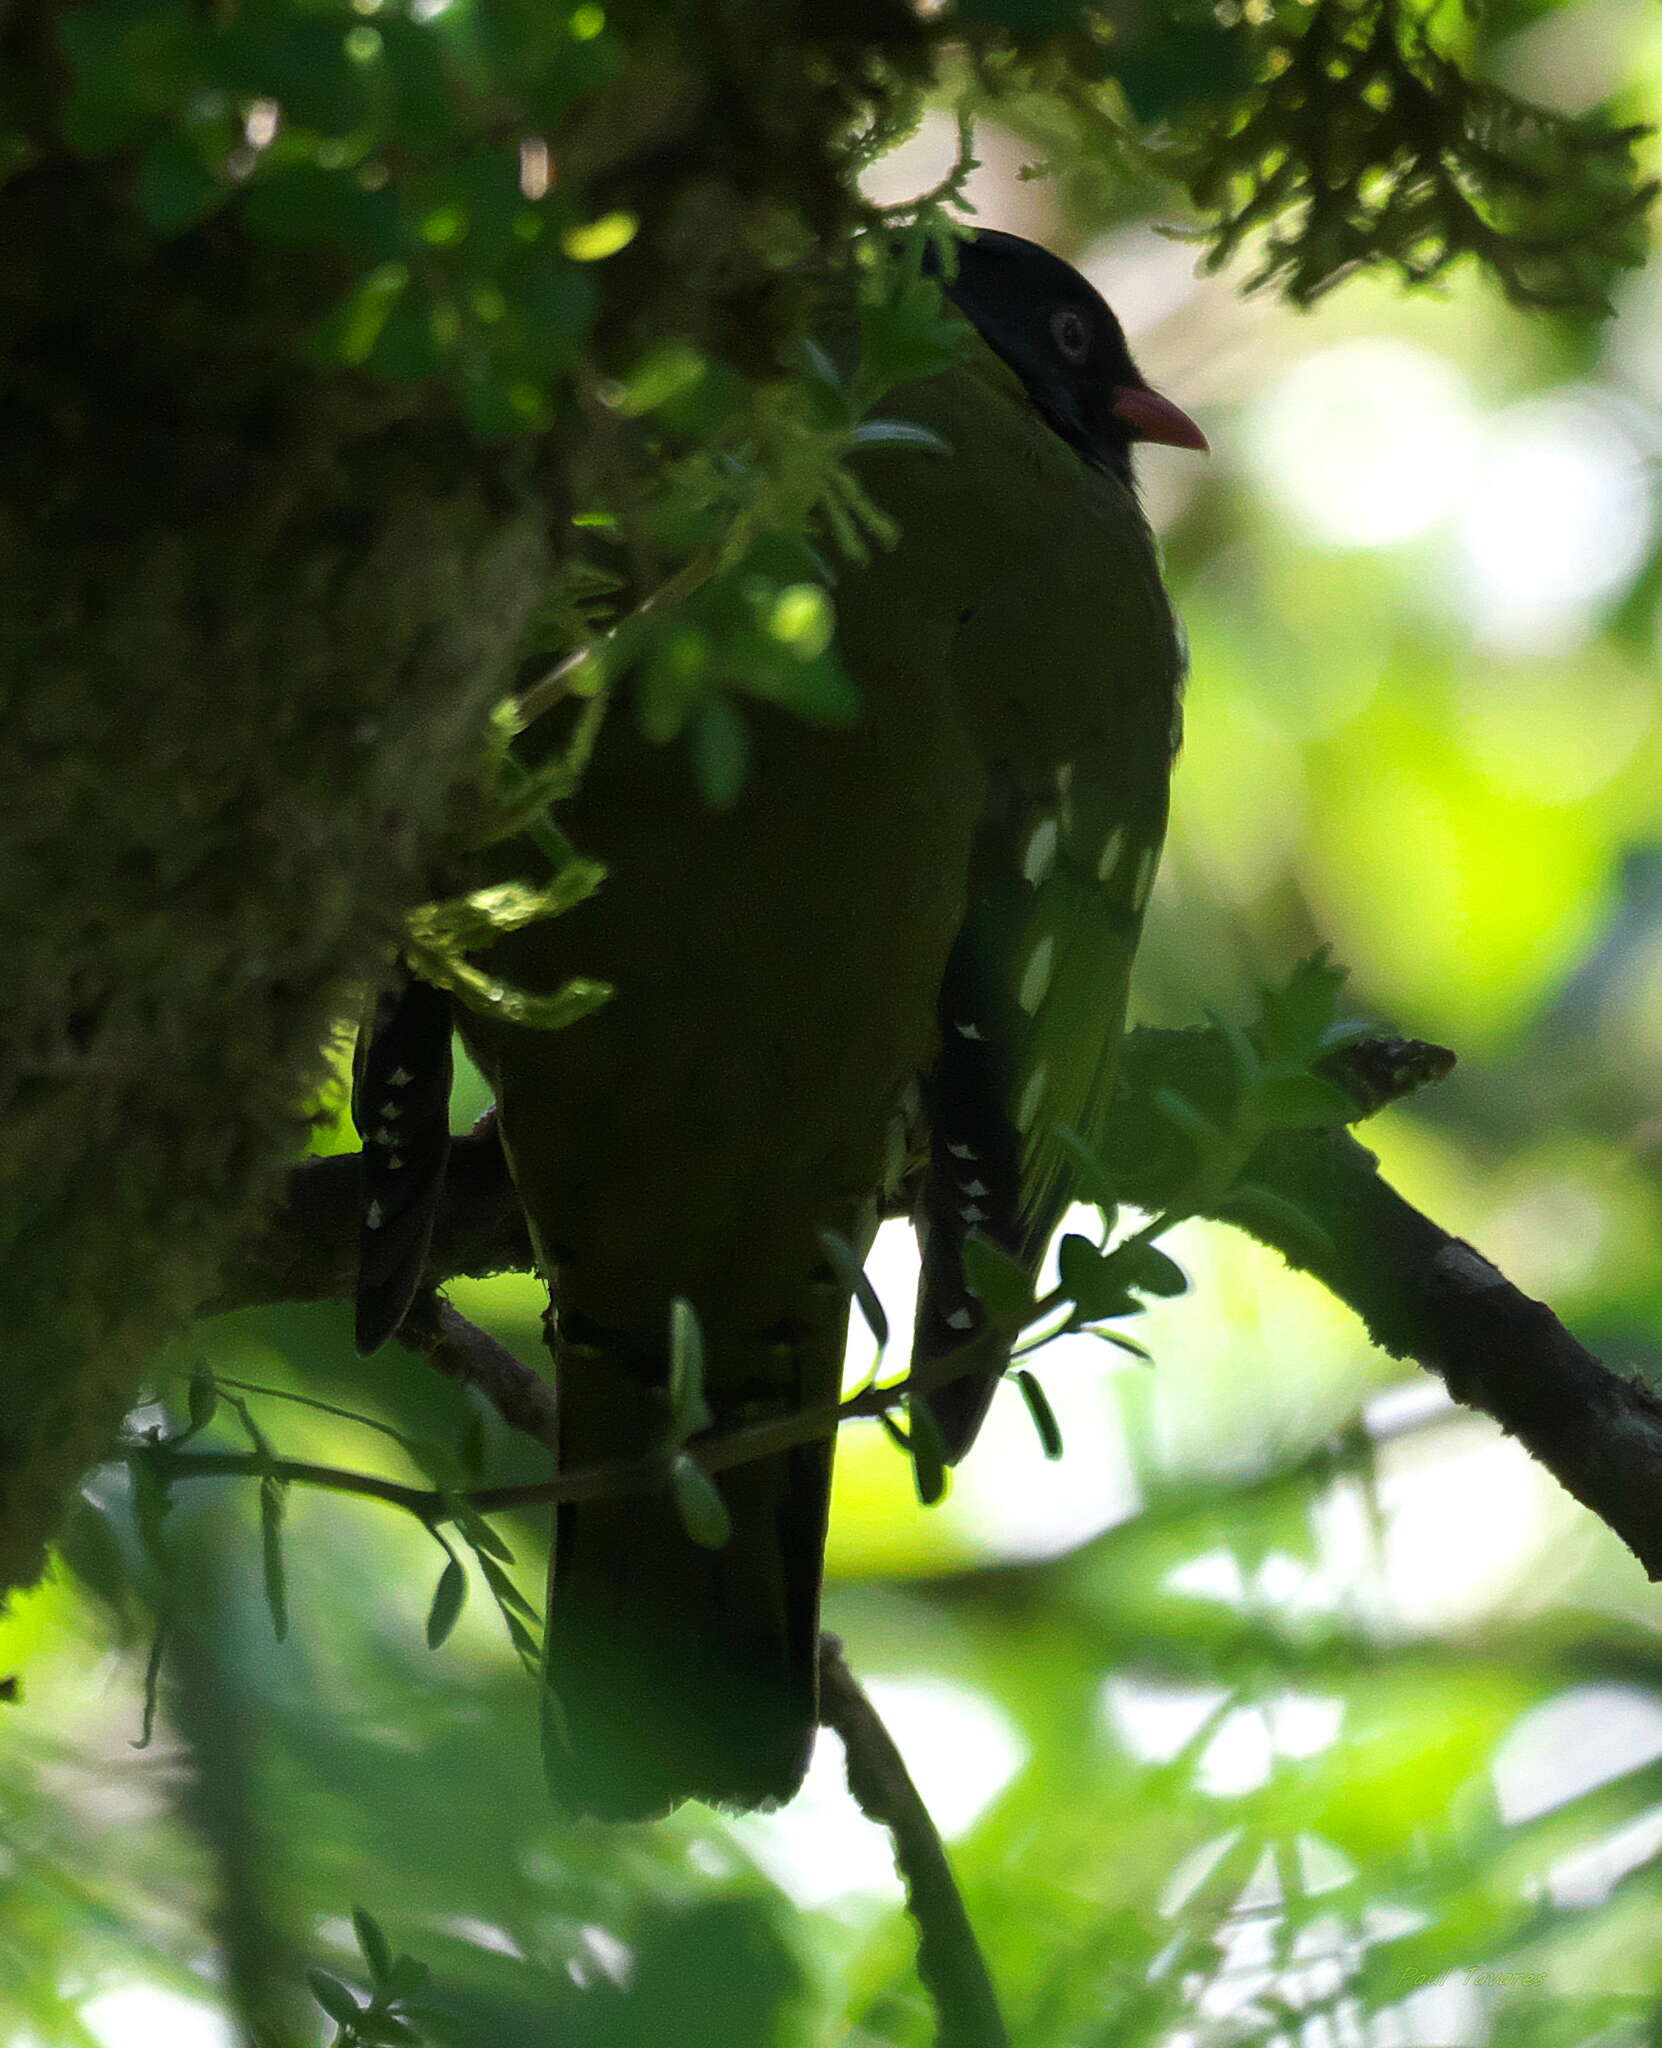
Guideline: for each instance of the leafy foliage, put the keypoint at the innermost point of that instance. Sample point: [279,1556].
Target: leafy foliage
[487,213]
[1364,143]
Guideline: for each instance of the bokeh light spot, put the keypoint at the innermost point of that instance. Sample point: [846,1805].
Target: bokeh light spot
[1366,444]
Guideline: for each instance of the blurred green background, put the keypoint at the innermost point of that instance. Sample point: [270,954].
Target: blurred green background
[1292,1706]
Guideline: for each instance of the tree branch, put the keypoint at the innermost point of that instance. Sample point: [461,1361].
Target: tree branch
[1423,1293]
[950,1962]
[1431,1297]
[462,1351]
[309,1249]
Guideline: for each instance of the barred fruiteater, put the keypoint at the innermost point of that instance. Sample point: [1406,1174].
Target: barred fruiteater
[928,919]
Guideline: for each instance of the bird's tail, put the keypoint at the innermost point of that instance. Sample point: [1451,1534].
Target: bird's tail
[676,1670]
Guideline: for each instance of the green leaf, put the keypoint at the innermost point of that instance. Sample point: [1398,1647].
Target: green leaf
[908,332]
[850,1270]
[506,1594]
[350,333]
[886,433]
[1297,1016]
[1292,1226]
[470,1447]
[998,1280]
[689,1411]
[1301,1102]
[1096,1282]
[1147,1267]
[377,2025]
[1199,1129]
[928,1451]
[130,66]
[1043,1415]
[1243,1054]
[526,1646]
[472,1527]
[334,1997]
[671,682]
[1096,1183]
[818,689]
[202,1399]
[1121,1342]
[272,1502]
[298,201]
[720,752]
[408,1978]
[373,1944]
[668,372]
[699,1503]
[176,187]
[449,1597]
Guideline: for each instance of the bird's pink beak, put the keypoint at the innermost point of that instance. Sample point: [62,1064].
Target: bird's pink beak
[1153,418]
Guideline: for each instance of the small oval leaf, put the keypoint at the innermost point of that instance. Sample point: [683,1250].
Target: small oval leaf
[699,1503]
[928,1449]
[334,1997]
[846,1263]
[449,1597]
[1302,1102]
[688,1407]
[998,1280]
[1043,1415]
[372,1943]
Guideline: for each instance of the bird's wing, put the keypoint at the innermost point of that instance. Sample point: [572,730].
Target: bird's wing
[1069,667]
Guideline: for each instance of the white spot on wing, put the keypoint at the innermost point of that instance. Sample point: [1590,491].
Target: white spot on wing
[1031,1096]
[1036,975]
[963,1151]
[961,1319]
[1112,847]
[973,1188]
[374,1216]
[969,1031]
[972,1212]
[400,1077]
[1039,855]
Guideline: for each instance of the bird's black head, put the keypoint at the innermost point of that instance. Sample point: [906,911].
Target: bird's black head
[1057,333]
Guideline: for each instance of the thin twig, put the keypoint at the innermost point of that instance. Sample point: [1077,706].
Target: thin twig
[441,1334]
[950,1962]
[715,1452]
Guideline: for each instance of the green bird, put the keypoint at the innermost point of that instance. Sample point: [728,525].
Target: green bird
[913,933]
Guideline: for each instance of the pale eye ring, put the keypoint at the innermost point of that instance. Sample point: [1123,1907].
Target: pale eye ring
[1071,333]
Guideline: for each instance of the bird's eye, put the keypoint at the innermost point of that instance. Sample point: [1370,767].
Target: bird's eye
[1071,334]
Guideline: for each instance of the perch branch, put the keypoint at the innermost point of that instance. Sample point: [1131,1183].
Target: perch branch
[1431,1297]
[462,1351]
[950,1962]
[1423,1293]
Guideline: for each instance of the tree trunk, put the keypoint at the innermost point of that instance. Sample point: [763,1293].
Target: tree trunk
[251,616]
